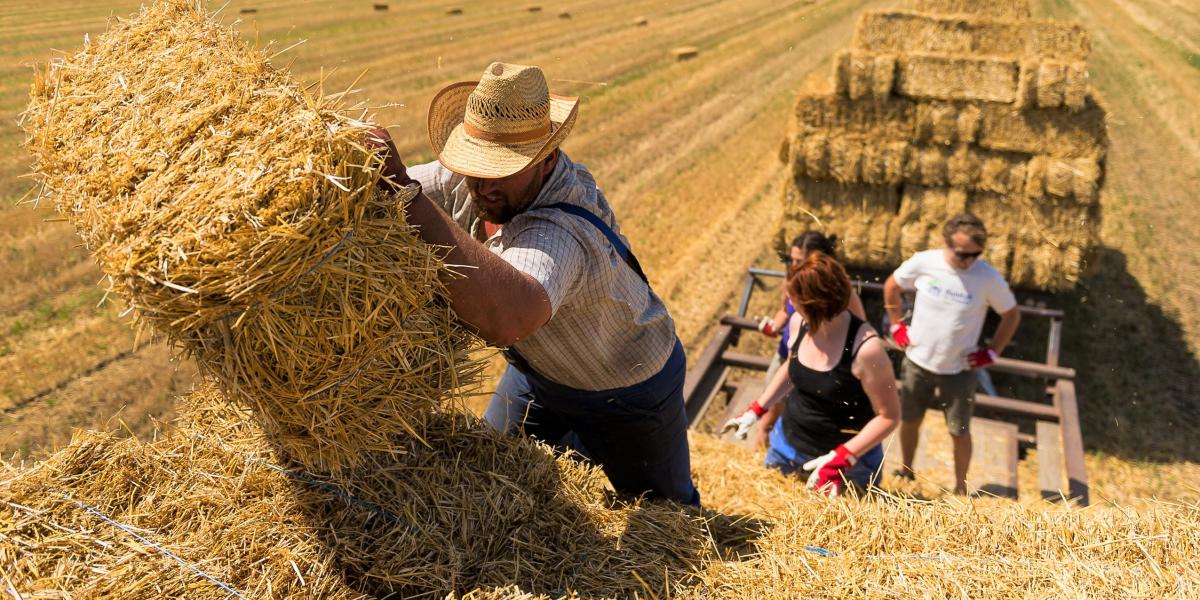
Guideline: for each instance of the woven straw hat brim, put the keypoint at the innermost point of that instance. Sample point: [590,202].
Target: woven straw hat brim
[474,157]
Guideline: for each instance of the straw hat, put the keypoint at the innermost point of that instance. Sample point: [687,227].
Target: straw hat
[500,125]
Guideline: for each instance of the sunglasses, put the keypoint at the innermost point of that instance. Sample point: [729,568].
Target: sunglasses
[967,255]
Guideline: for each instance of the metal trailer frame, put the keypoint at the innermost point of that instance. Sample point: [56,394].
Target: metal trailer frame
[1058,439]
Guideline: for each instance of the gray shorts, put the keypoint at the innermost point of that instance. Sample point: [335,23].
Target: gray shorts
[954,394]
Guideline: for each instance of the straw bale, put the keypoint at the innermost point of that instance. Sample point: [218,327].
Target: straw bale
[905,32]
[1035,177]
[380,6]
[902,548]
[956,77]
[892,119]
[1027,85]
[883,163]
[685,52]
[921,214]
[1061,233]
[883,76]
[1076,87]
[962,168]
[454,11]
[641,21]
[1002,175]
[1060,178]
[816,157]
[1045,131]
[860,214]
[1002,9]
[845,159]
[927,166]
[969,119]
[1087,180]
[937,122]
[843,63]
[236,213]
[494,518]
[862,69]
[463,509]
[1063,178]
[1051,84]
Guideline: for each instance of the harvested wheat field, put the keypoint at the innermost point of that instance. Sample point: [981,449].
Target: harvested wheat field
[275,480]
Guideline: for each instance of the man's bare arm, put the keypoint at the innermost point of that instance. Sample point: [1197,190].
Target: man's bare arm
[503,304]
[1006,329]
[893,300]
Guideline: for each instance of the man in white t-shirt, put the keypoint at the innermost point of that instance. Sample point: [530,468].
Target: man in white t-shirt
[954,291]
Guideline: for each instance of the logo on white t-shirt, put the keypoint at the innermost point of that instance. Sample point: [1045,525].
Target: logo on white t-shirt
[936,288]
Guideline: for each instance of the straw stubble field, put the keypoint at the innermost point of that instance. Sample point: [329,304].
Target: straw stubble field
[685,151]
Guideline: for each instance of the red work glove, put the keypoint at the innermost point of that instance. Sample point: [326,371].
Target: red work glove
[741,425]
[767,327]
[900,335]
[827,471]
[395,175]
[981,358]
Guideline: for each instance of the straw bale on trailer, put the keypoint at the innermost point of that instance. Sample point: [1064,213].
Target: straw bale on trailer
[503,515]
[1045,131]
[236,213]
[1002,9]
[961,99]
[464,508]
[860,75]
[956,77]
[904,32]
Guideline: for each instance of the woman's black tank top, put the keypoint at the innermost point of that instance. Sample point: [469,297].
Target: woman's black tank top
[826,408]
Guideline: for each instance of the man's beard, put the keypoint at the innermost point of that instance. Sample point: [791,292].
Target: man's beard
[499,215]
[504,212]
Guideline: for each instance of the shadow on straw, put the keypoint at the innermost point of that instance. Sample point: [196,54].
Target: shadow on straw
[475,509]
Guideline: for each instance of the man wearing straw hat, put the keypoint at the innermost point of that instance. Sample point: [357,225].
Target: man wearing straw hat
[595,364]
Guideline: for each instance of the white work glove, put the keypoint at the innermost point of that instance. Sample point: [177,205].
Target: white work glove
[742,424]
[828,470]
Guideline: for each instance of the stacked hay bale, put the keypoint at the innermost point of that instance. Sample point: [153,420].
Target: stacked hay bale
[961,105]
[237,213]
[472,509]
[208,510]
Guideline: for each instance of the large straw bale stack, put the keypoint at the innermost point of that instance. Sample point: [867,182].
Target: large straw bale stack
[961,103]
[905,32]
[464,508]
[475,510]
[1000,9]
[892,547]
[236,213]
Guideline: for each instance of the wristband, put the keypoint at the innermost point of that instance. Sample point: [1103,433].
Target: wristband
[757,408]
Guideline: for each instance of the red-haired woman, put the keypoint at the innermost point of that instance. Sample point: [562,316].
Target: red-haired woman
[841,398]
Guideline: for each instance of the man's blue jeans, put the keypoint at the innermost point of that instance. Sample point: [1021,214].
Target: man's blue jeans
[637,434]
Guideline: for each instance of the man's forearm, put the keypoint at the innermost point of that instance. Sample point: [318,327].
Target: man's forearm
[502,303]
[1006,330]
[893,300]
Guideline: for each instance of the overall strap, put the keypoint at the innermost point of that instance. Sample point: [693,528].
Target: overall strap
[622,249]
